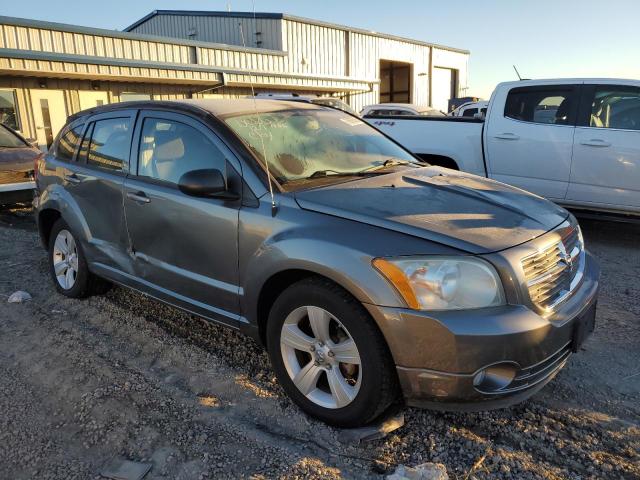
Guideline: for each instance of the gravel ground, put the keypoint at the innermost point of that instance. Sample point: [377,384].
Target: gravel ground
[124,376]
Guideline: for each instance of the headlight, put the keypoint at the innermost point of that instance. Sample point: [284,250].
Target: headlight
[443,283]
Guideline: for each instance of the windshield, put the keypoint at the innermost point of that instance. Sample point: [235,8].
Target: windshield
[308,144]
[8,139]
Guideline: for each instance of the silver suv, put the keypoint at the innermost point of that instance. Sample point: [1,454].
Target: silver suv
[366,274]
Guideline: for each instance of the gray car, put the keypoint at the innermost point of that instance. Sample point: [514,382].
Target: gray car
[370,277]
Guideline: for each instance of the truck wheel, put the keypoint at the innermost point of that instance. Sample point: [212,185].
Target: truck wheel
[68,264]
[329,355]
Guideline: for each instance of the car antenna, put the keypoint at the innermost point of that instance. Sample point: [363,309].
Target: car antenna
[517,72]
[274,207]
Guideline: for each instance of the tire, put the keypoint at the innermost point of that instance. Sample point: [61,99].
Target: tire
[80,282]
[364,390]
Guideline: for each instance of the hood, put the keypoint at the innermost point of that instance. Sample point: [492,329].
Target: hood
[457,209]
[17,159]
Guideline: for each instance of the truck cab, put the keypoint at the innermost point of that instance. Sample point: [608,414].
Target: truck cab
[573,141]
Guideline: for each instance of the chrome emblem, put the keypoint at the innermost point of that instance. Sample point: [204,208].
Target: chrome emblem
[565,256]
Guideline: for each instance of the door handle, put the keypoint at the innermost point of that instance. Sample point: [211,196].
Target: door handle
[507,136]
[72,178]
[596,142]
[138,197]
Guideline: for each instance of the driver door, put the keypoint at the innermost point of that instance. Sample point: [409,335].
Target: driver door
[185,248]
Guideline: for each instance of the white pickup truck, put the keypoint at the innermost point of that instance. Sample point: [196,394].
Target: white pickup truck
[574,141]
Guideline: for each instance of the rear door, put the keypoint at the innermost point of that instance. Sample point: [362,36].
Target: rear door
[95,182]
[529,144]
[606,153]
[185,248]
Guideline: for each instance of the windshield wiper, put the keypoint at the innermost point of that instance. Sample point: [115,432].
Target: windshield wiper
[336,173]
[372,170]
[390,162]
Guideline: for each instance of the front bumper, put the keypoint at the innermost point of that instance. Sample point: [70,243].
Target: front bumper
[440,355]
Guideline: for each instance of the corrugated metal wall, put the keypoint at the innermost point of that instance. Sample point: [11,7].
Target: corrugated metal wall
[313,49]
[216,29]
[47,40]
[71,88]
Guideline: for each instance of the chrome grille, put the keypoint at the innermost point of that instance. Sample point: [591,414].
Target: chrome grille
[555,271]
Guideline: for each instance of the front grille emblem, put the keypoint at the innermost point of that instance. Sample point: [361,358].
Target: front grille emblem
[565,256]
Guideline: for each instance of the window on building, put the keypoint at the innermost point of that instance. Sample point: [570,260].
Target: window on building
[169,149]
[110,143]
[132,96]
[68,142]
[531,104]
[9,109]
[616,107]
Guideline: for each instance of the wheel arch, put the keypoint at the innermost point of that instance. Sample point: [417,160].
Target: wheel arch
[46,219]
[279,281]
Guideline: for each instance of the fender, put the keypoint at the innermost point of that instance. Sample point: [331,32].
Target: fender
[56,197]
[336,248]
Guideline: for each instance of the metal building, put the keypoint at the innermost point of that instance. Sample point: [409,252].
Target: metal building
[50,70]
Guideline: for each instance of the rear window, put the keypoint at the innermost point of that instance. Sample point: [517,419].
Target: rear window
[110,143]
[553,106]
[68,142]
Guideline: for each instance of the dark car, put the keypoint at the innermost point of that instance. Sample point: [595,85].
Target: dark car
[17,159]
[366,274]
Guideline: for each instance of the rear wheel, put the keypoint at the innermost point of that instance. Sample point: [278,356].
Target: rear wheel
[68,264]
[329,355]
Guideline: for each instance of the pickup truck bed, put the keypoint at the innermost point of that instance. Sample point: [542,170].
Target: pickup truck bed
[452,142]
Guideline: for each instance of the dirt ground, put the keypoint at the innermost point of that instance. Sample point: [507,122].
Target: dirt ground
[123,376]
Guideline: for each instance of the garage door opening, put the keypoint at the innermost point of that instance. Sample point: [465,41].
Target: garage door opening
[395,82]
[445,87]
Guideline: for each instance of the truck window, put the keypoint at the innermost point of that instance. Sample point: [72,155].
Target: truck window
[616,107]
[533,104]
[469,112]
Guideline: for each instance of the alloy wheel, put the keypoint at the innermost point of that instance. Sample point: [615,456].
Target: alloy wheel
[65,259]
[321,357]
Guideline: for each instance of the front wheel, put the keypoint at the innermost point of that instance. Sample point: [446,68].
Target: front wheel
[329,355]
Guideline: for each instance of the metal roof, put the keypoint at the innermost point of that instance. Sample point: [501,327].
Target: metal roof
[65,27]
[284,16]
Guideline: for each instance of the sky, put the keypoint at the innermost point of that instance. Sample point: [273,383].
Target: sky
[543,38]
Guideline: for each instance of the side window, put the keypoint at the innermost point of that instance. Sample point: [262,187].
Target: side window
[168,149]
[535,105]
[469,112]
[616,107]
[68,142]
[110,143]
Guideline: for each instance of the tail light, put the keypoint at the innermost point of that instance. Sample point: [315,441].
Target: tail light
[36,166]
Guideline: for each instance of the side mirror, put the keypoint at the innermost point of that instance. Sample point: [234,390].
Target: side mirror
[208,182]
